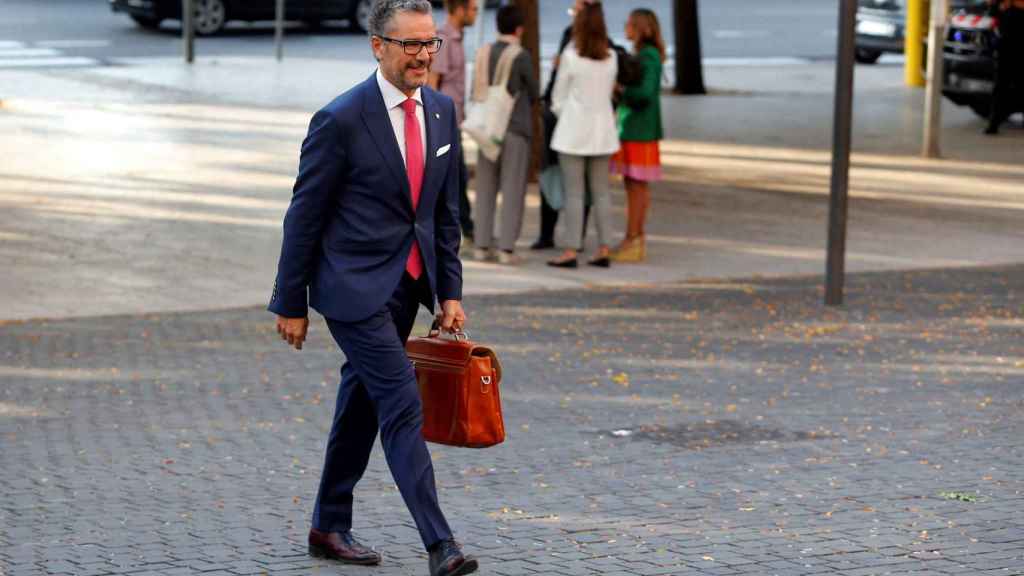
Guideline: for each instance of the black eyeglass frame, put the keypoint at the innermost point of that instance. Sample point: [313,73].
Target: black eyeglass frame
[419,44]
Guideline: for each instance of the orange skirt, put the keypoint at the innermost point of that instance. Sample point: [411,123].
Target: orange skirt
[638,161]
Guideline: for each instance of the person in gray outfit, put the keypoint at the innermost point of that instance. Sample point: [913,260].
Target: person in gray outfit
[510,172]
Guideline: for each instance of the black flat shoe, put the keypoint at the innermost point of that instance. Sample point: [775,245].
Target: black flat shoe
[542,244]
[602,262]
[568,263]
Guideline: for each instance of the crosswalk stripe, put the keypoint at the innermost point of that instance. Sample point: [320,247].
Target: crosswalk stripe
[16,54]
[73,43]
[56,62]
[29,53]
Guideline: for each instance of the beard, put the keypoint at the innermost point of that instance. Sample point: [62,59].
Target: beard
[411,81]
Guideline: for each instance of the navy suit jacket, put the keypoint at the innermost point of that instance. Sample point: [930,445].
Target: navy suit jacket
[351,224]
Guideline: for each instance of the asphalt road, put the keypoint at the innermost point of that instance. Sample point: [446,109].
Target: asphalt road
[39,34]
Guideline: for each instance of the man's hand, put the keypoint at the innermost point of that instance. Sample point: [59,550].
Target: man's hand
[452,318]
[293,330]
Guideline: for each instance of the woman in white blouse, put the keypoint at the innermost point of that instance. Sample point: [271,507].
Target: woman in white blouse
[586,135]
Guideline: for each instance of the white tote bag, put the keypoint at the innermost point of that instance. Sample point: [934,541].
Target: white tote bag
[491,105]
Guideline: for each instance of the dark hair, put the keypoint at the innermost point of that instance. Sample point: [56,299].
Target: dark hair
[510,17]
[648,31]
[589,32]
[453,5]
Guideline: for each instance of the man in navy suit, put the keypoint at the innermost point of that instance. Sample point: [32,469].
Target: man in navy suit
[371,233]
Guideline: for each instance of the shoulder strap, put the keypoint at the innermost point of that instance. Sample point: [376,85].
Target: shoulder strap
[481,70]
[503,70]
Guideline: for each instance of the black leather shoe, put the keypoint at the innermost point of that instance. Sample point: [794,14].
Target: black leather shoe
[566,263]
[341,546]
[601,262]
[446,559]
[542,244]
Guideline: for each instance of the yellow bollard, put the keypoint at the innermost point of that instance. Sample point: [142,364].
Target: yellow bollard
[913,38]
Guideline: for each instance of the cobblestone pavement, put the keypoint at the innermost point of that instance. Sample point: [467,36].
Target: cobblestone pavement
[732,427]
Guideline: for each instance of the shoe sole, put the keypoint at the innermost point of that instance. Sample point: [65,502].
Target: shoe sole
[318,552]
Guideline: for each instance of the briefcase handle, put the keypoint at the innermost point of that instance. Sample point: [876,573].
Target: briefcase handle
[435,332]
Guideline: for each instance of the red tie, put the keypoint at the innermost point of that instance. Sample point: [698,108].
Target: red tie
[414,168]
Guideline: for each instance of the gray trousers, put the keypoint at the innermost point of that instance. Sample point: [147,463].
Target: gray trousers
[576,172]
[509,174]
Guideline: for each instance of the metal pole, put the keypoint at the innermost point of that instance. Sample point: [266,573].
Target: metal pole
[930,148]
[279,30]
[480,19]
[912,49]
[843,119]
[188,30]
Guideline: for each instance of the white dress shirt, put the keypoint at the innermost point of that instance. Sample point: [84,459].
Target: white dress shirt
[582,100]
[393,98]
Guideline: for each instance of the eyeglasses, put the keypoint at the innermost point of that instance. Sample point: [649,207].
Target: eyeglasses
[413,47]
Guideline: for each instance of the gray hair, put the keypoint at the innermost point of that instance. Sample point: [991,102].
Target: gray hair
[384,11]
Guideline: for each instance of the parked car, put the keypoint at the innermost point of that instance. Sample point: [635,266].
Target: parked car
[969,62]
[880,27]
[212,15]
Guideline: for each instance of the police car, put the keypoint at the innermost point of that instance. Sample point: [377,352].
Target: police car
[969,62]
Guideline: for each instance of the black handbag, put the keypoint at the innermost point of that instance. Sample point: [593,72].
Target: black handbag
[631,68]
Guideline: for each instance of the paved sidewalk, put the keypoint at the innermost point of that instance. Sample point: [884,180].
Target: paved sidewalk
[701,413]
[711,428]
[153,186]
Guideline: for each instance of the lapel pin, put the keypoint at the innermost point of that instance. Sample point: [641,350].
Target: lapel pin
[436,115]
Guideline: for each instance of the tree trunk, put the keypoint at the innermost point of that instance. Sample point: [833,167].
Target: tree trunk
[531,42]
[689,67]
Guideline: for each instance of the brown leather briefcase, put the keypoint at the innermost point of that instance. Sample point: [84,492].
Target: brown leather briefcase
[458,383]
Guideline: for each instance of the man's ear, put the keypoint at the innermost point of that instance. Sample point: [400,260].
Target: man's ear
[520,31]
[376,45]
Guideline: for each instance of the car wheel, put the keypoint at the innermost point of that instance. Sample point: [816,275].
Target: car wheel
[209,16]
[981,106]
[148,23]
[865,56]
[360,19]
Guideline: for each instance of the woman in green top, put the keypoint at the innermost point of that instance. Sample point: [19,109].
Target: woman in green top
[639,117]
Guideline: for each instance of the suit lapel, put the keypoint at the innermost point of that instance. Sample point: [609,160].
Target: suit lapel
[433,165]
[375,116]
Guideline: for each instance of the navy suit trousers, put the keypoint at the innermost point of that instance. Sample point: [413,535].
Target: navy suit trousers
[378,390]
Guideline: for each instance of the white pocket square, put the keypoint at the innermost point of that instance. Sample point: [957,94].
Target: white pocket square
[443,150]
